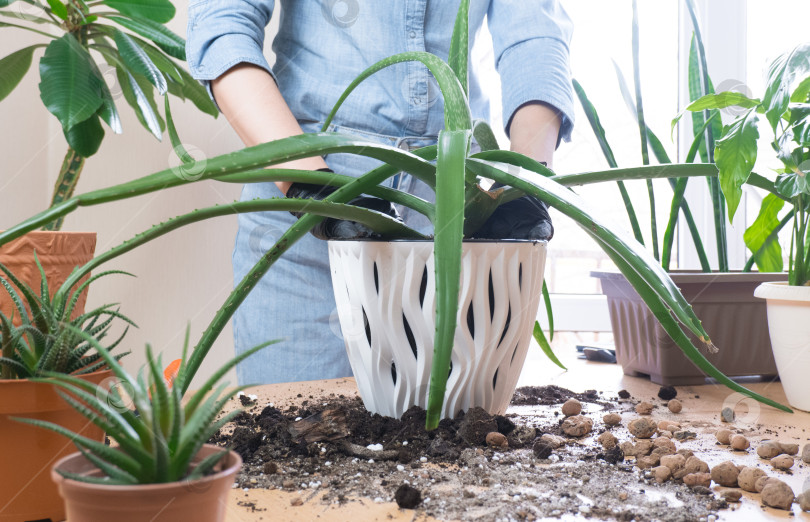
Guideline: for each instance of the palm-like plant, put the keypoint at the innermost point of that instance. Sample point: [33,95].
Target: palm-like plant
[48,339]
[86,42]
[156,443]
[462,205]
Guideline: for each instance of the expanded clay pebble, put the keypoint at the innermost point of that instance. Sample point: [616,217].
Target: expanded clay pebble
[624,394]
[727,414]
[673,462]
[607,440]
[782,462]
[666,425]
[759,485]
[577,426]
[542,449]
[661,474]
[806,454]
[726,474]
[644,408]
[552,440]
[496,440]
[789,448]
[724,436]
[643,428]
[804,501]
[747,479]
[571,407]
[650,461]
[612,419]
[675,406]
[739,443]
[697,479]
[768,450]
[667,392]
[777,494]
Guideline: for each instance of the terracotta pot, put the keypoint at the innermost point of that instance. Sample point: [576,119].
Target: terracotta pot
[202,500]
[28,452]
[59,253]
[386,303]
[724,302]
[789,326]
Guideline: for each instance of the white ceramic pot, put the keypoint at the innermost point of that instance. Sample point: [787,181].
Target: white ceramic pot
[385,300]
[789,326]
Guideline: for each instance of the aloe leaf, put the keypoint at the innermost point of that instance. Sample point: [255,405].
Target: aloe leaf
[114,473]
[459,44]
[206,464]
[641,270]
[456,110]
[607,152]
[540,337]
[760,239]
[449,232]
[484,136]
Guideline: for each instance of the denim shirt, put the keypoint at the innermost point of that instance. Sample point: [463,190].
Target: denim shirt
[323,45]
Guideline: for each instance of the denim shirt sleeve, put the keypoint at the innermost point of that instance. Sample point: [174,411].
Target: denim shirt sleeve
[224,33]
[532,57]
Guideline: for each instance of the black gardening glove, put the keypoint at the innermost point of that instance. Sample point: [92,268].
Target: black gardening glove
[522,218]
[331,228]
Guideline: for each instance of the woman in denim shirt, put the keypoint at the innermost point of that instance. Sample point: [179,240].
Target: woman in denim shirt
[320,48]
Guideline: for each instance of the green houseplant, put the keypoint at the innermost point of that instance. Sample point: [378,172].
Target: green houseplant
[786,106]
[160,467]
[461,206]
[722,297]
[43,337]
[85,45]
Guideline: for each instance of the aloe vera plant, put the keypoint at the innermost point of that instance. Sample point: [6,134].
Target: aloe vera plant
[48,339]
[786,106]
[159,440]
[86,41]
[462,204]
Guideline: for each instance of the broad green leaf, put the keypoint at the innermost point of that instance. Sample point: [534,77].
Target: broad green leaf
[141,103]
[782,74]
[58,8]
[735,155]
[761,239]
[69,88]
[4,3]
[159,11]
[108,112]
[791,184]
[722,100]
[193,90]
[13,68]
[137,60]
[161,61]
[802,92]
[800,122]
[85,137]
[171,44]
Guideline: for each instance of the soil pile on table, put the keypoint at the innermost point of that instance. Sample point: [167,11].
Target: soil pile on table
[474,467]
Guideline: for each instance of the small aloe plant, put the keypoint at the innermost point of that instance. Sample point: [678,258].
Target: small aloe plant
[46,339]
[159,440]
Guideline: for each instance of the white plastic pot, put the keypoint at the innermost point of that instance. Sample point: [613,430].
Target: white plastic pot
[789,326]
[385,300]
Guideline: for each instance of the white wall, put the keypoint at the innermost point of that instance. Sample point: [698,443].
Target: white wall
[183,277]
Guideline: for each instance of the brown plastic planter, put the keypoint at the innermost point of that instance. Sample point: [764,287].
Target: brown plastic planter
[28,452]
[202,500]
[58,252]
[725,302]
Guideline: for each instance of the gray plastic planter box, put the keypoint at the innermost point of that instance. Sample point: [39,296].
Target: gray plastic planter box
[735,320]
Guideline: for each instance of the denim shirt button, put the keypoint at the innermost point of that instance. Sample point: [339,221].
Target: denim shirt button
[412,34]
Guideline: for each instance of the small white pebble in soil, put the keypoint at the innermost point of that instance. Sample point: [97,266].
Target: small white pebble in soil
[404,442]
[323,450]
[271,405]
[327,463]
[371,461]
[400,467]
[375,447]
[298,419]
[378,500]
[253,397]
[554,458]
[423,459]
[496,458]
